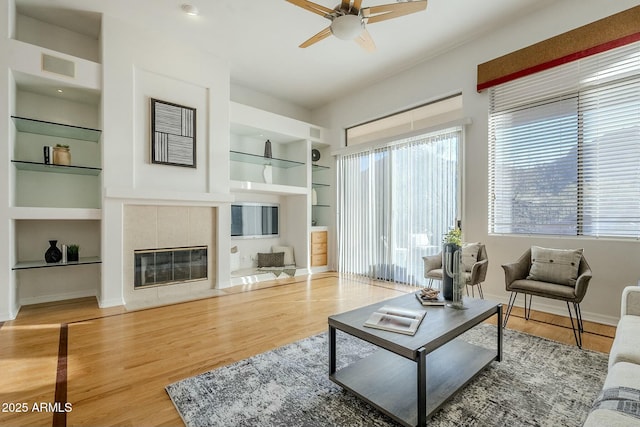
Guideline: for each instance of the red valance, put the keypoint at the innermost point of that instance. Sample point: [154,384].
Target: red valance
[599,36]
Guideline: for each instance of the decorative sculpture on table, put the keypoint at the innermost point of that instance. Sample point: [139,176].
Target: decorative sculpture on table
[453,276]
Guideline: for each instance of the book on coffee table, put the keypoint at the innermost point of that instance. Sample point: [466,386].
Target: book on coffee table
[396,319]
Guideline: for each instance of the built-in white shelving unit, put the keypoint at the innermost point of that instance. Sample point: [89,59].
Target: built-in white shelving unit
[61,130]
[55,90]
[289,178]
[55,213]
[262,188]
[25,265]
[322,188]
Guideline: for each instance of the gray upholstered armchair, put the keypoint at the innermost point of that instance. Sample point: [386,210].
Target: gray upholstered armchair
[475,261]
[550,273]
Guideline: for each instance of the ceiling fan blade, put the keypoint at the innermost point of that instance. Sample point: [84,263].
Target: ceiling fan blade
[383,12]
[313,7]
[321,35]
[345,5]
[365,41]
[356,5]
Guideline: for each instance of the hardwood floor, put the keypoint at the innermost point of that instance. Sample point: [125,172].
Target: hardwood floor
[118,362]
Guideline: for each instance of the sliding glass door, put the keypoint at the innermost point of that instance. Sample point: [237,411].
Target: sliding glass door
[395,202]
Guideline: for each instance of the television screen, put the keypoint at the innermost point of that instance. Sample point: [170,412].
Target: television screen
[254,220]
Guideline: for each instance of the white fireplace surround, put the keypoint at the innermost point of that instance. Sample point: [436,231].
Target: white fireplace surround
[156,227]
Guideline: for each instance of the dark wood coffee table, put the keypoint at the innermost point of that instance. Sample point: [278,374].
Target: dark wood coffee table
[410,377]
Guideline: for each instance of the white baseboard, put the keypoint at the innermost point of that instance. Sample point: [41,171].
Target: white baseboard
[114,302]
[250,276]
[5,316]
[57,297]
[541,304]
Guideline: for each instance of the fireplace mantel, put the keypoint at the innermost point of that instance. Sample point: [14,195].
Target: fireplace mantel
[159,197]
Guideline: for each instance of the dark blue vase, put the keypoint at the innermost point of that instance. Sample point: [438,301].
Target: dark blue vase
[53,254]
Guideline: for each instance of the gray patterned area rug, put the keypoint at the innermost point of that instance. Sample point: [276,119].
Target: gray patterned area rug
[538,383]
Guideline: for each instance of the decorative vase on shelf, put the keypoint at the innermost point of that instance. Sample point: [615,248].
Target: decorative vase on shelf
[53,254]
[267,149]
[267,174]
[61,155]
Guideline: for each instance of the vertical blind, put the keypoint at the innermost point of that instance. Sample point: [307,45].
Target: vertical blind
[565,149]
[394,205]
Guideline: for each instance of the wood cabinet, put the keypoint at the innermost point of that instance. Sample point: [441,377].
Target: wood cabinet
[318,248]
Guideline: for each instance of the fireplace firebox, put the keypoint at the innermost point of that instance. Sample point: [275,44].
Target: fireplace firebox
[155,267]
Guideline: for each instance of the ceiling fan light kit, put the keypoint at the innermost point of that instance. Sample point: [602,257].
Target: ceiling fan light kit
[349,20]
[190,9]
[347,27]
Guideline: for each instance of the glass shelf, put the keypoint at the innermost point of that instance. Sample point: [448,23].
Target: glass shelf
[237,156]
[319,185]
[42,167]
[319,167]
[26,265]
[42,127]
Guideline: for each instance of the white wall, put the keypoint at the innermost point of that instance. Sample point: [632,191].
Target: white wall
[612,261]
[140,65]
[8,294]
[56,38]
[263,101]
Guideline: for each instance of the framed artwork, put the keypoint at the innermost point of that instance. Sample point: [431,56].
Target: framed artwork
[173,134]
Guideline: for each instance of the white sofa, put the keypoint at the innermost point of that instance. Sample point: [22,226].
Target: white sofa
[624,365]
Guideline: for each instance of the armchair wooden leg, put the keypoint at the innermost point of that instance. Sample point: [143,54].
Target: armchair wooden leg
[512,300]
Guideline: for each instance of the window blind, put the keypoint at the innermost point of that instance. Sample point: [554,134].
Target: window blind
[395,203]
[564,149]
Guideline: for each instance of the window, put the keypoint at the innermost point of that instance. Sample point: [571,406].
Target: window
[418,120]
[395,203]
[565,149]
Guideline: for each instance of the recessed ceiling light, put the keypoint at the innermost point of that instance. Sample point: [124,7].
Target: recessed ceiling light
[190,9]
[59,90]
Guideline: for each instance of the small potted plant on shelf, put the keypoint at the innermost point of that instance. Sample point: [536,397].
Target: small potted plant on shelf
[73,253]
[61,155]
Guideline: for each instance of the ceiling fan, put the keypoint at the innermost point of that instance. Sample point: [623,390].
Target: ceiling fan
[348,19]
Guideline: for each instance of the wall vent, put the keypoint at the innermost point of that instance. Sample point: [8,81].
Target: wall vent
[315,133]
[59,66]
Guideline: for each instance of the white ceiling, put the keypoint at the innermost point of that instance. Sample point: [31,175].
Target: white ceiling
[260,38]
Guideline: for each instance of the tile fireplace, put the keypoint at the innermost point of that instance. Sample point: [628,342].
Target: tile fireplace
[169,254]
